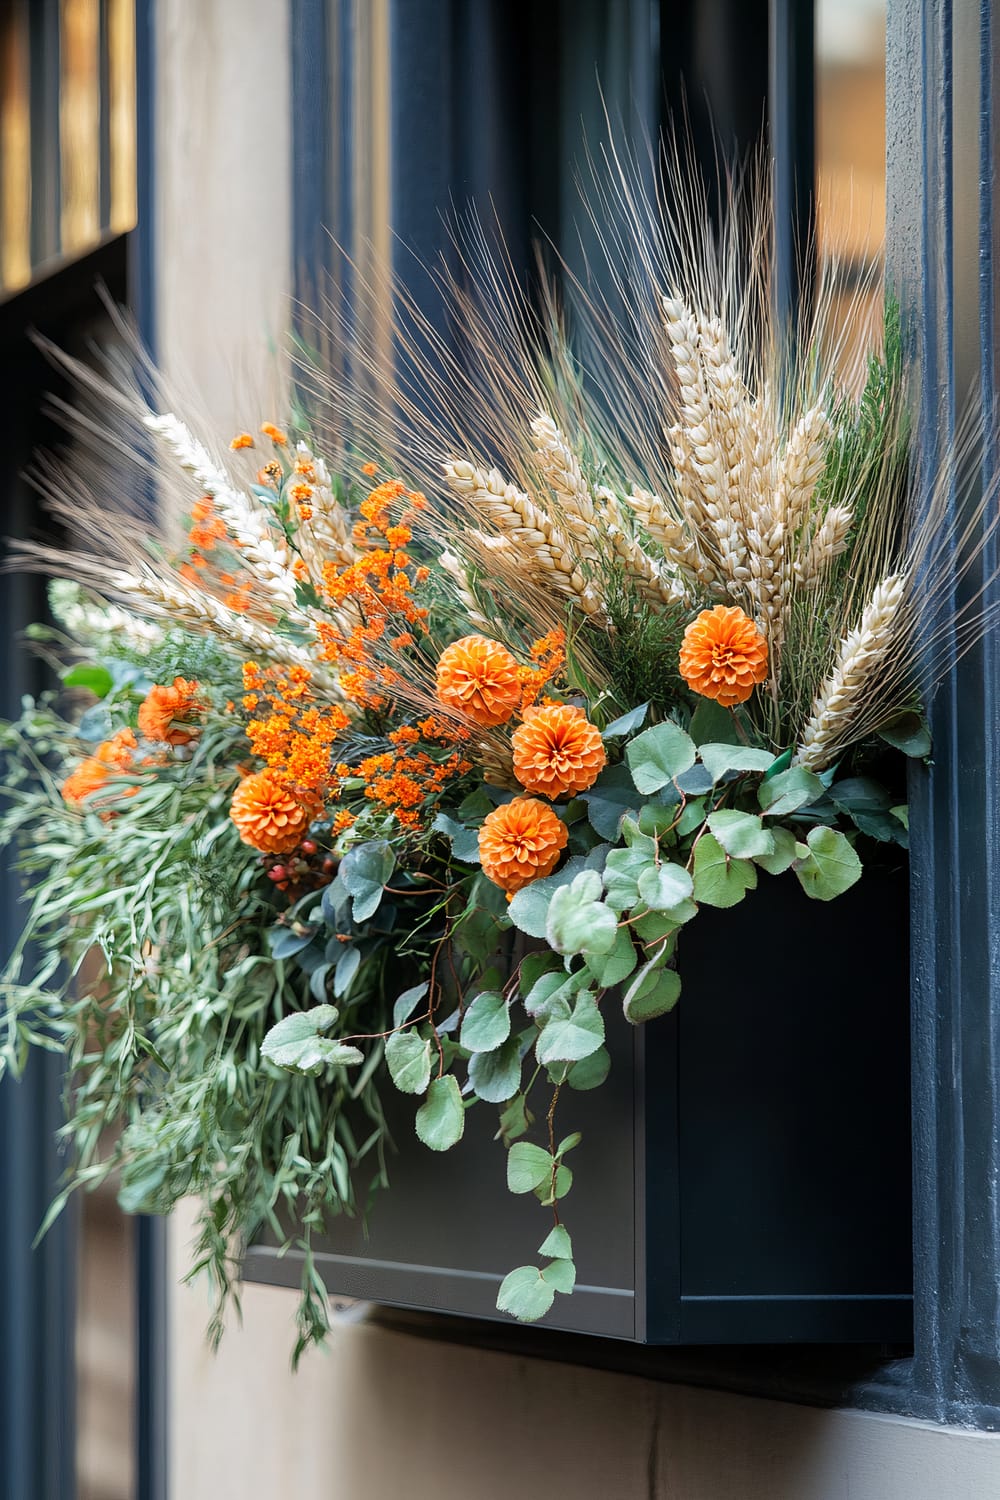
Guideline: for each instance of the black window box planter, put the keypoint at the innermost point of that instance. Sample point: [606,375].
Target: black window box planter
[744,1175]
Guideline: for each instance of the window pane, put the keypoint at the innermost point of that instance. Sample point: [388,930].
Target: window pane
[15,151]
[80,124]
[850,150]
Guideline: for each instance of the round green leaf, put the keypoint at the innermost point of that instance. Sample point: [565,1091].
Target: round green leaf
[783,794]
[525,1295]
[831,866]
[665,885]
[528,1166]
[486,1023]
[657,755]
[441,1118]
[295,1043]
[741,834]
[719,759]
[718,879]
[408,1058]
[577,921]
[496,1076]
[590,1072]
[573,1035]
[652,994]
[783,854]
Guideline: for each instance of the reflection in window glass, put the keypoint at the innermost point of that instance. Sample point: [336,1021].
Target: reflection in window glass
[15,143]
[121,111]
[79,123]
[850,148]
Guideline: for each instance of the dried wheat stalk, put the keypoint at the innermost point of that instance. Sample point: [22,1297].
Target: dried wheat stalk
[839,706]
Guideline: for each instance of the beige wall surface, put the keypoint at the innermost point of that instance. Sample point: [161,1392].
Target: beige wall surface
[380,1415]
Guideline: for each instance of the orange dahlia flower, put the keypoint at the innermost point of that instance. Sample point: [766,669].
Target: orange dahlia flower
[557,751]
[163,707]
[268,817]
[519,842]
[723,655]
[480,678]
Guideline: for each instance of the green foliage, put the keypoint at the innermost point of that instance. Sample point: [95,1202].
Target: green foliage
[240,1047]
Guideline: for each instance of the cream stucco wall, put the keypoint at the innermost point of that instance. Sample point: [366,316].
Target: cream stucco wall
[379,1414]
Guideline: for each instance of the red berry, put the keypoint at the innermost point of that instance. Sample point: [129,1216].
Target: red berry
[277,872]
[307,846]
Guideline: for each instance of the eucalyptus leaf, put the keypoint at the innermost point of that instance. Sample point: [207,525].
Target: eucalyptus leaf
[496,1076]
[573,1035]
[741,834]
[719,759]
[792,789]
[295,1043]
[486,1023]
[407,1002]
[909,733]
[590,1072]
[464,841]
[528,1166]
[627,723]
[577,921]
[525,1295]
[720,880]
[408,1058]
[557,1244]
[365,870]
[664,886]
[610,969]
[659,754]
[441,1118]
[782,856]
[654,991]
[347,967]
[831,866]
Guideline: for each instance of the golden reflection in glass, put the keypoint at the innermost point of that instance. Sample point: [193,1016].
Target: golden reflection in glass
[15,150]
[850,156]
[371,166]
[121,108]
[80,124]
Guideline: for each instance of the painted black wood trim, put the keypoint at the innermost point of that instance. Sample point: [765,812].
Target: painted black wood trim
[151,1312]
[942,138]
[792,131]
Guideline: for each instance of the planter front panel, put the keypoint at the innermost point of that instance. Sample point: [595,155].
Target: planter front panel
[745,1170]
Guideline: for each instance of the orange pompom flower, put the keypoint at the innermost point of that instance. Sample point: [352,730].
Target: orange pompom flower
[480,679]
[723,655]
[519,842]
[557,751]
[163,708]
[268,817]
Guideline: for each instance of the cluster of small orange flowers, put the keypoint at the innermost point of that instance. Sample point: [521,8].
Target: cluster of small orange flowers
[207,529]
[288,731]
[301,494]
[369,469]
[241,440]
[406,782]
[163,710]
[274,433]
[91,775]
[271,474]
[519,842]
[376,591]
[549,656]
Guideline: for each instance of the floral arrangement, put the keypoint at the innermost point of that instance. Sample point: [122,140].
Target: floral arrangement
[398,771]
